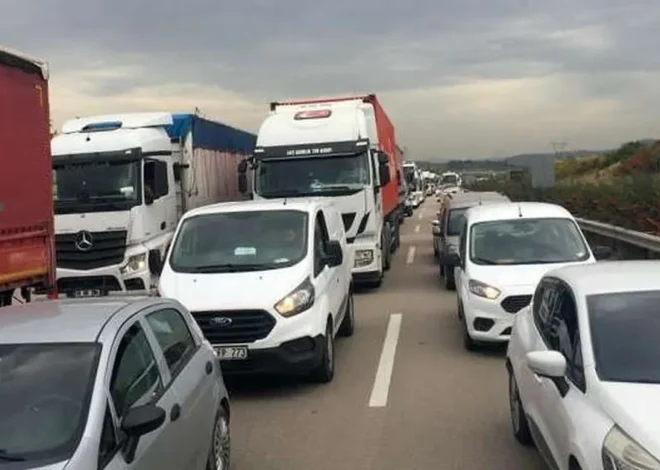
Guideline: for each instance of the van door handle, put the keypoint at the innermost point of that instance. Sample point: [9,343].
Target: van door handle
[175,412]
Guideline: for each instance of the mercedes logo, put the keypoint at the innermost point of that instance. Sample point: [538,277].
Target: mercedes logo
[84,241]
[222,321]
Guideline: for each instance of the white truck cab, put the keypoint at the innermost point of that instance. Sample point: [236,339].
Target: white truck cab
[120,186]
[267,281]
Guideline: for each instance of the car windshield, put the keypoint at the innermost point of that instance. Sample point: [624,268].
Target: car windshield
[240,241]
[44,396]
[527,241]
[624,332]
[313,176]
[456,218]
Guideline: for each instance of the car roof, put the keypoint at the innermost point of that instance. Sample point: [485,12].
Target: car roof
[474,198]
[300,204]
[611,276]
[515,210]
[63,321]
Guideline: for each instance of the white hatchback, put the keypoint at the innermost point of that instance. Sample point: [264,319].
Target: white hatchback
[504,250]
[584,380]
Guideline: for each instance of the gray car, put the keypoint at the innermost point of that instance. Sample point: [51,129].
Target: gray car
[109,383]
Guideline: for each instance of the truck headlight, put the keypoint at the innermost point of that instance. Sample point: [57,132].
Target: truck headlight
[620,452]
[363,258]
[135,264]
[299,300]
[482,289]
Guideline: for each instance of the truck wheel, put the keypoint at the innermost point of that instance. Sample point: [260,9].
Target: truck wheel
[6,298]
[386,247]
[397,238]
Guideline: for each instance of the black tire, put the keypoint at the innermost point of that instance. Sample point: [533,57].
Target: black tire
[6,298]
[386,248]
[220,453]
[519,422]
[325,371]
[448,275]
[347,326]
[468,342]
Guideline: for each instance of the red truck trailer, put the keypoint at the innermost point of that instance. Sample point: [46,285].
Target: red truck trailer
[27,253]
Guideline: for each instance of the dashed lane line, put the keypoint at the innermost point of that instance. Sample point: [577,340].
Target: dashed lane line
[381,388]
[411,255]
[417,227]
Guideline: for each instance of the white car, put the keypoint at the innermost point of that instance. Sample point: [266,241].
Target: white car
[583,363]
[269,283]
[504,250]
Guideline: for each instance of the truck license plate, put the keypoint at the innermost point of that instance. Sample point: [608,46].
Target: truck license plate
[231,353]
[87,293]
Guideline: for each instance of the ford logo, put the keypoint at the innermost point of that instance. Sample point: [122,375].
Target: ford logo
[221,321]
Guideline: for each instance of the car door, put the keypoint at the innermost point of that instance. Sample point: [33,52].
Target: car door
[192,374]
[136,379]
[325,278]
[562,402]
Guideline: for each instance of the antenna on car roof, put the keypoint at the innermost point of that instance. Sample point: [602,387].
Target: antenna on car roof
[519,211]
[284,202]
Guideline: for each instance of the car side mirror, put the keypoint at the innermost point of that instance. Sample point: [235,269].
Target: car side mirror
[452,259]
[335,255]
[550,364]
[140,420]
[602,252]
[155,262]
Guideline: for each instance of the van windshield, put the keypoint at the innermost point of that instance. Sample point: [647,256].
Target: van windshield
[527,241]
[240,241]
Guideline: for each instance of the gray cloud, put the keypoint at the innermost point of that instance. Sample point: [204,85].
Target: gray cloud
[598,50]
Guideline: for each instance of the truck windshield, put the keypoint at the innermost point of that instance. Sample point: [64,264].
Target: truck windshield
[313,176]
[449,180]
[240,241]
[96,186]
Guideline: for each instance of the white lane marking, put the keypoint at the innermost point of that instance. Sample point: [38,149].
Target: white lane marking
[411,255]
[417,227]
[381,386]
[421,215]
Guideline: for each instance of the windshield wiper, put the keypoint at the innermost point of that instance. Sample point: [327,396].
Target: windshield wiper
[229,268]
[4,456]
[484,261]
[284,193]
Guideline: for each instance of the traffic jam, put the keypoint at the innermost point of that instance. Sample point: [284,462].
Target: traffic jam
[177,293]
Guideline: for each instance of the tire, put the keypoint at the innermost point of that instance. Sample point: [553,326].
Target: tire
[468,343]
[519,422]
[448,275]
[325,371]
[220,453]
[386,247]
[6,298]
[348,323]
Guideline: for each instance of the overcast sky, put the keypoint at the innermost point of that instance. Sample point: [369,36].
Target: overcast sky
[460,78]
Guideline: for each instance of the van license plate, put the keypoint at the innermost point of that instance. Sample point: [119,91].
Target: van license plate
[231,353]
[87,293]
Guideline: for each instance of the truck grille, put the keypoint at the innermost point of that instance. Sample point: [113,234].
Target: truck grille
[107,248]
[515,303]
[67,285]
[237,326]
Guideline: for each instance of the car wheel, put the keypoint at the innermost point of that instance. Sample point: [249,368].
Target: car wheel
[518,418]
[468,342]
[325,371]
[220,455]
[348,323]
[449,278]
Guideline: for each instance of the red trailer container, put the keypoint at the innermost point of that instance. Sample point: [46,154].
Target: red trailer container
[387,144]
[26,195]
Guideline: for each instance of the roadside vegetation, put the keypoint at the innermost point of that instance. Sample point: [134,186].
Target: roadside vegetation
[620,187]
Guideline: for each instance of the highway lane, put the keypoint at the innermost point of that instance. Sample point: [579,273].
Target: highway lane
[425,404]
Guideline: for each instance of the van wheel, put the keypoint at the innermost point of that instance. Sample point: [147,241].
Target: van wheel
[325,371]
[468,342]
[448,273]
[348,323]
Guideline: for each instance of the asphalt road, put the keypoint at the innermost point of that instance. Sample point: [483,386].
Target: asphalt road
[426,404]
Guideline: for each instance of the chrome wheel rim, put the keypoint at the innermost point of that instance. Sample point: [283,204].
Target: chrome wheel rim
[514,404]
[222,444]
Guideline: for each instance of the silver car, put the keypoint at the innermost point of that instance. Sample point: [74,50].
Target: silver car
[109,384]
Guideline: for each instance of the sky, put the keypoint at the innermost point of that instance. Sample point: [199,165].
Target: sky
[459,78]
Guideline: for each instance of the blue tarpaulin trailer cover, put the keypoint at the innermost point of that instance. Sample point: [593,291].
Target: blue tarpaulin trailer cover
[211,135]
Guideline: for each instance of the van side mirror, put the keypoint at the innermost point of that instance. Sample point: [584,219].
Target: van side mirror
[602,252]
[242,166]
[242,183]
[335,255]
[155,262]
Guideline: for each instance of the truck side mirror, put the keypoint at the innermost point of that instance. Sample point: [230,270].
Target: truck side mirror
[155,262]
[383,173]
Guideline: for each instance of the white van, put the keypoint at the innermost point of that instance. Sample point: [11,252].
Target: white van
[504,250]
[268,282]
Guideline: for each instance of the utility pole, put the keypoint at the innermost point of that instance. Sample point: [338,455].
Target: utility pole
[559,148]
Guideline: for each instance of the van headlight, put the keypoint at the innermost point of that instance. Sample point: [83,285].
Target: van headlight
[620,452]
[482,289]
[135,264]
[299,300]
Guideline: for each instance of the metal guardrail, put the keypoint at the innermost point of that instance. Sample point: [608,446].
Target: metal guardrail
[630,237]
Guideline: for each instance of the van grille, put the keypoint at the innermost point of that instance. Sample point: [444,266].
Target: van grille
[238,326]
[515,303]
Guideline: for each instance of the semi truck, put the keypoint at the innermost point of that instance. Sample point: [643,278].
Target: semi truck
[341,148]
[27,252]
[121,184]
